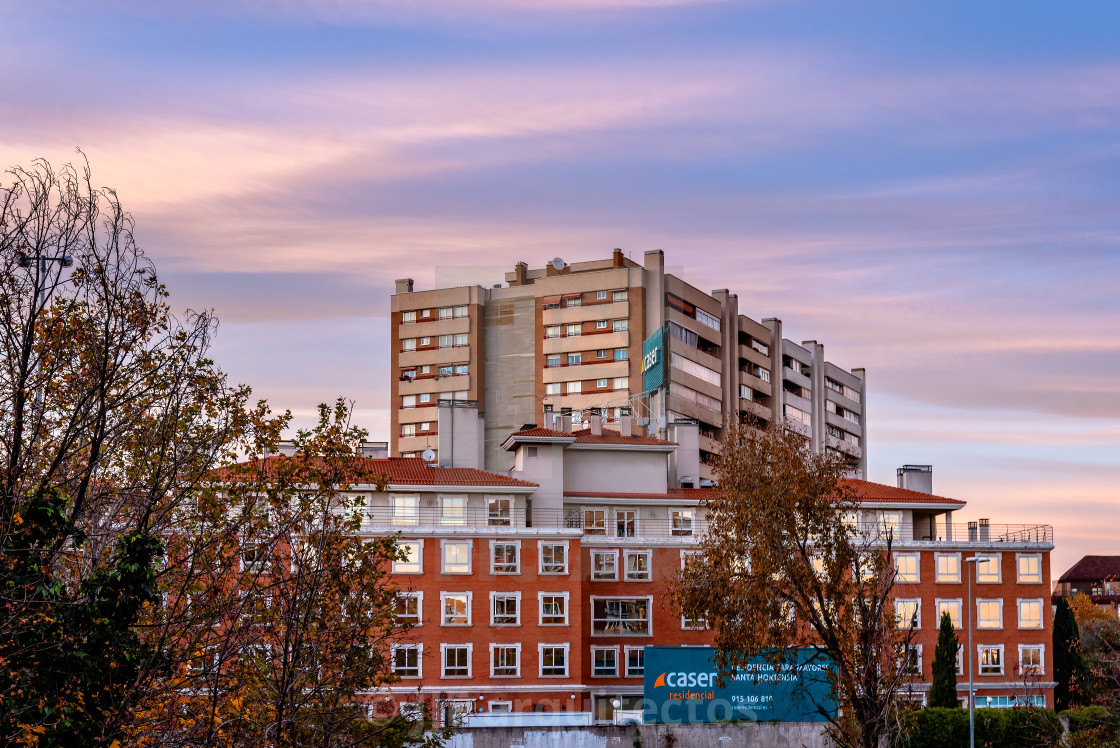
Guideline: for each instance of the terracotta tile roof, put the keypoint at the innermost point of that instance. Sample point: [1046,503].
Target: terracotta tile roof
[584,436]
[1093,569]
[672,493]
[413,471]
[880,492]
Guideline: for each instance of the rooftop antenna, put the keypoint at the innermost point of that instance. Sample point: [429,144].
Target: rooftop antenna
[428,455]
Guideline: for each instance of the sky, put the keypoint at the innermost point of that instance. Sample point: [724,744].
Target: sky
[929,189]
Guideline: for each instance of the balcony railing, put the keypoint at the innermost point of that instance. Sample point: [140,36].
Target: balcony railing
[981,532]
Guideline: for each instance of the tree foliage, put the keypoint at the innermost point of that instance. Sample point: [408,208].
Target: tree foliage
[782,564]
[1070,670]
[943,689]
[120,545]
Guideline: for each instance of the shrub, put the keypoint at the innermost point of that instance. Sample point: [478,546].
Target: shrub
[995,728]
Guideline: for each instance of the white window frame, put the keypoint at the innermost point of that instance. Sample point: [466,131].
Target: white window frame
[494,543]
[613,553]
[627,673]
[553,388]
[980,658]
[404,510]
[567,659]
[443,544]
[633,522]
[980,621]
[993,558]
[443,660]
[916,619]
[917,559]
[600,295]
[516,646]
[1019,613]
[960,659]
[648,600]
[950,601]
[573,388]
[458,519]
[1041,659]
[681,532]
[498,519]
[597,527]
[499,706]
[419,546]
[443,608]
[494,595]
[541,545]
[912,646]
[626,554]
[596,649]
[418,648]
[937,568]
[418,596]
[565,596]
[600,324]
[1019,559]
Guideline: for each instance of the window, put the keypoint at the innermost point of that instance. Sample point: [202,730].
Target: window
[635,662]
[604,661]
[408,429]
[601,384]
[554,608]
[620,325]
[425,342]
[425,312]
[906,567]
[620,616]
[621,354]
[505,661]
[574,388]
[409,558]
[552,331]
[694,624]
[406,510]
[574,359]
[626,521]
[1030,614]
[953,608]
[573,300]
[445,341]
[505,608]
[408,344]
[408,401]
[594,522]
[572,331]
[638,566]
[688,366]
[500,707]
[991,659]
[600,324]
[621,383]
[453,510]
[987,570]
[890,521]
[552,361]
[456,556]
[707,319]
[554,558]
[680,522]
[406,660]
[499,512]
[456,660]
[948,567]
[409,316]
[601,353]
[617,296]
[254,558]
[552,388]
[908,613]
[456,608]
[604,565]
[503,557]
[989,614]
[911,659]
[461,310]
[425,397]
[554,660]
[1031,660]
[446,312]
[600,295]
[408,608]
[461,341]
[1030,568]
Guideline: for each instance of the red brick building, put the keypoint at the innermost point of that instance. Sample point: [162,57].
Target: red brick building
[537,590]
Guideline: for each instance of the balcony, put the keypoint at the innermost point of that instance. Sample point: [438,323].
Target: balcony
[981,534]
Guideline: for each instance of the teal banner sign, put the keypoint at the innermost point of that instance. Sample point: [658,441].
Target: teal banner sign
[654,362]
[681,687]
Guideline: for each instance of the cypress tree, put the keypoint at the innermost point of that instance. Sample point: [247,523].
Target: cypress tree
[1069,666]
[943,690]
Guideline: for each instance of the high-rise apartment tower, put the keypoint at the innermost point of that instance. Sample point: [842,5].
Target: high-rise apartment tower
[608,336]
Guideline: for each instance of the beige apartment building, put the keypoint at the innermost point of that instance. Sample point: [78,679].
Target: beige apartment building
[608,337]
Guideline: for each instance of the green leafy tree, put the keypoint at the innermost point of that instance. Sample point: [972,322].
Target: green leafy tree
[943,690]
[1070,670]
[783,564]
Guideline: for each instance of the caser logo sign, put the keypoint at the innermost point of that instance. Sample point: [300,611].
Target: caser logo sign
[685,680]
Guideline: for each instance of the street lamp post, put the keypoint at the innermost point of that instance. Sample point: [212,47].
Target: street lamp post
[971,669]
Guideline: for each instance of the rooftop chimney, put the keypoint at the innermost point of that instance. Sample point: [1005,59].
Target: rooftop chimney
[596,423]
[616,258]
[625,423]
[404,285]
[916,478]
[566,420]
[549,417]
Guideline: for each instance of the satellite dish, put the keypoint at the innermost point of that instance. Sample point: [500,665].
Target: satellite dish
[558,263]
[428,455]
